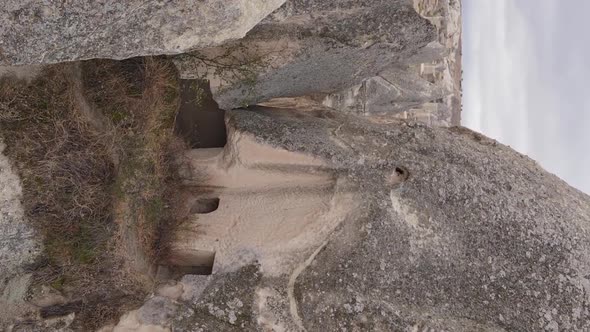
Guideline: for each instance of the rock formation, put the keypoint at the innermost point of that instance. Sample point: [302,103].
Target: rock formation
[332,198]
[52,31]
[427,88]
[328,221]
[393,91]
[310,48]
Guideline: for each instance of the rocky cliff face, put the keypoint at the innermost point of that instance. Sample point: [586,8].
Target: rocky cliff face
[53,31]
[310,48]
[382,57]
[397,227]
[427,87]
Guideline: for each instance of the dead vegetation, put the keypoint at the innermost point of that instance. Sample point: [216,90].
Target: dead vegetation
[100,196]
[143,118]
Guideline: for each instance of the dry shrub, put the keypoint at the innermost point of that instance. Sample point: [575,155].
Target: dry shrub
[100,197]
[143,119]
[67,174]
[64,164]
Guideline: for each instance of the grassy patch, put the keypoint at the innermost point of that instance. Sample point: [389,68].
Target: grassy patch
[100,196]
[145,145]
[64,164]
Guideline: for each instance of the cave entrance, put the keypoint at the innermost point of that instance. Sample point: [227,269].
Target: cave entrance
[200,121]
[199,262]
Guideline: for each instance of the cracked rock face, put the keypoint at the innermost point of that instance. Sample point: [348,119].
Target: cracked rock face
[429,92]
[309,47]
[446,230]
[395,90]
[33,31]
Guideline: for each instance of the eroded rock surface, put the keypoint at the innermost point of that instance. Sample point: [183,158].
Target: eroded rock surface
[446,230]
[33,31]
[395,90]
[311,47]
[19,244]
[427,88]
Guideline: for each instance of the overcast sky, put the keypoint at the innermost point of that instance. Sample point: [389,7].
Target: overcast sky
[526,80]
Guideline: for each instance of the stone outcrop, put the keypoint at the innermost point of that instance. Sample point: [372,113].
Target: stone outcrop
[394,90]
[19,243]
[34,31]
[398,227]
[428,89]
[311,47]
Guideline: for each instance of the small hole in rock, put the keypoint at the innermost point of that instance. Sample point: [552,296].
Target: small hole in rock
[203,267]
[205,205]
[401,172]
[398,175]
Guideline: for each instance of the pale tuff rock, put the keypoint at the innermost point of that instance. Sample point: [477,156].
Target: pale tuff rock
[394,91]
[315,218]
[442,229]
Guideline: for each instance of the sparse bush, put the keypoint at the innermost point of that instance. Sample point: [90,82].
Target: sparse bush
[95,193]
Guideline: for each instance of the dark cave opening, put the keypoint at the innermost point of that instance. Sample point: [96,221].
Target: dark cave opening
[204,205]
[200,121]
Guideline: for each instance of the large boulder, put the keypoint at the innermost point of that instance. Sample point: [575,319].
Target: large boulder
[329,221]
[310,47]
[34,31]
